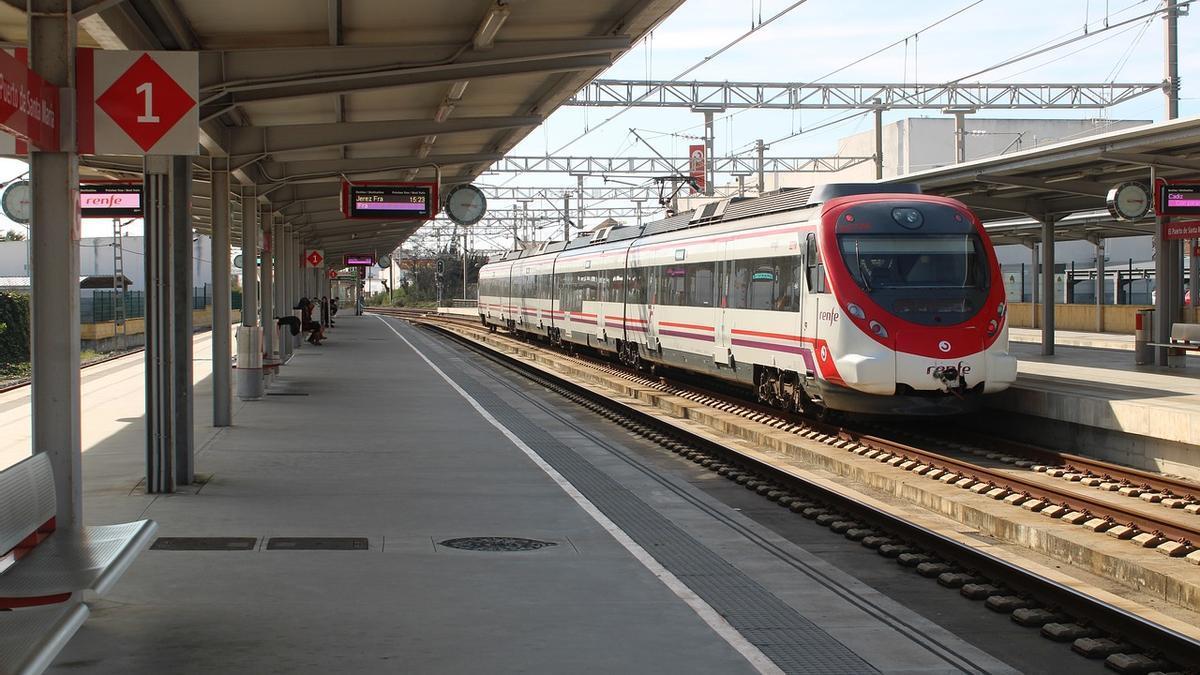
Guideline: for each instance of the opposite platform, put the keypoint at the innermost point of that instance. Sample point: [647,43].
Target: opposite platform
[388,434]
[1093,386]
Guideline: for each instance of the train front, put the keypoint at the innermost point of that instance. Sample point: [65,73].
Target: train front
[916,277]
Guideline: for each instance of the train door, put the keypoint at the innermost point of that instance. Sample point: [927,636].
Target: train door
[722,352]
[650,289]
[814,283]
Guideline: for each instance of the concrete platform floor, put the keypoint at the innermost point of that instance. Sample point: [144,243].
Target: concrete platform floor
[362,437]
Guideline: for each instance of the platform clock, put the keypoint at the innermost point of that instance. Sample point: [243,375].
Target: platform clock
[17,202]
[466,204]
[1129,201]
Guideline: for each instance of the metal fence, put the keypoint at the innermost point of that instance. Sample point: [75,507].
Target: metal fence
[99,306]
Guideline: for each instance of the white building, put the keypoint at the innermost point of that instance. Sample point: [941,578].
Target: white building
[96,258]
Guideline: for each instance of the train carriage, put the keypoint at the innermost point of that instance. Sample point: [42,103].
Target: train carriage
[840,298]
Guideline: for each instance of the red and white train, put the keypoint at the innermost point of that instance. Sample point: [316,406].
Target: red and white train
[840,298]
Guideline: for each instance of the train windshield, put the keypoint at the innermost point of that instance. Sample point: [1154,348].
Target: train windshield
[931,279]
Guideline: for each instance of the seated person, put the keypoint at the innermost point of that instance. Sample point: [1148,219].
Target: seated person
[307,324]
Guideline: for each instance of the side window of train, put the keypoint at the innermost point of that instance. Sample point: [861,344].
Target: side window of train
[700,285]
[739,283]
[763,278]
[814,268]
[634,292]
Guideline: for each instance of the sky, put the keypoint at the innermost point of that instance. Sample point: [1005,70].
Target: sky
[820,37]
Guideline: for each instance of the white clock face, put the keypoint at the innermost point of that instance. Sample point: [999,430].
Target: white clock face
[466,205]
[1130,201]
[18,202]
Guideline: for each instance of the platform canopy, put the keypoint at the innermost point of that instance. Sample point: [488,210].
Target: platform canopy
[1068,181]
[299,94]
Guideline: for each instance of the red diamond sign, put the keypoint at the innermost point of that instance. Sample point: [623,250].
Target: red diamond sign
[145,102]
[315,258]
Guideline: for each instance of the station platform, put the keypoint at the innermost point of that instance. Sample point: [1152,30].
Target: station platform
[1143,416]
[389,441]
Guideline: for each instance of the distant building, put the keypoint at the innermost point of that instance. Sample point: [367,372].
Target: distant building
[96,257]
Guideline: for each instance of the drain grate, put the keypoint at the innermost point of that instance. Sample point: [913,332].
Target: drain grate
[496,544]
[204,544]
[317,544]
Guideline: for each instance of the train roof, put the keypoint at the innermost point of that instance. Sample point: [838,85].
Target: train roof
[722,211]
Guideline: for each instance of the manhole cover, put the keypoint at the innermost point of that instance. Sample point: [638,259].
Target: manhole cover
[496,544]
[204,544]
[317,544]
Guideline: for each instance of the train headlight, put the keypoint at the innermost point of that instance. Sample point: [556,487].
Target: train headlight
[992,326]
[856,311]
[878,329]
[908,218]
[1000,309]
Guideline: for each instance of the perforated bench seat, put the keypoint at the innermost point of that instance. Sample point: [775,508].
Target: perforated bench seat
[90,560]
[31,638]
[42,565]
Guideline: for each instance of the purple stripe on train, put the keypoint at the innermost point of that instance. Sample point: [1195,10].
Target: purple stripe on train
[690,336]
[804,352]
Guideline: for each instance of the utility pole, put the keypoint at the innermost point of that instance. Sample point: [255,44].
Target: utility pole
[516,239]
[758,145]
[1171,38]
[878,103]
[566,215]
[579,222]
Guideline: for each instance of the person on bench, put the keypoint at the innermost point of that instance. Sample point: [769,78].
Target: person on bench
[307,324]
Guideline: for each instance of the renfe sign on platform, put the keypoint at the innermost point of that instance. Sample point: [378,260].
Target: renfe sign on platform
[110,200]
[389,201]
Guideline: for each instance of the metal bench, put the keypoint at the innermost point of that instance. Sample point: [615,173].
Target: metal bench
[42,567]
[1185,337]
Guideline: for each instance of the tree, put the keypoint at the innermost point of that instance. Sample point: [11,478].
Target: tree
[13,235]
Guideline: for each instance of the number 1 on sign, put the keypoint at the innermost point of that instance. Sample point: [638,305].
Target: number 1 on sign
[149,117]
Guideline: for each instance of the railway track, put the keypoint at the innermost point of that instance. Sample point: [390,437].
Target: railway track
[1032,599]
[1175,531]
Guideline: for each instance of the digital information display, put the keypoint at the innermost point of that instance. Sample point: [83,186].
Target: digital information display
[389,201]
[358,260]
[1179,199]
[110,200]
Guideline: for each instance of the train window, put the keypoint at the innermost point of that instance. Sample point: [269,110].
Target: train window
[635,290]
[763,277]
[700,285]
[739,283]
[814,267]
[672,285]
[938,261]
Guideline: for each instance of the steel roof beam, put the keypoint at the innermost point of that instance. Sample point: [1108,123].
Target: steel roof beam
[246,76]
[797,96]
[1157,161]
[299,170]
[1074,187]
[249,142]
[660,166]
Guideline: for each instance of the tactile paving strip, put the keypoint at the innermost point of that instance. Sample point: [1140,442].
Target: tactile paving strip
[792,642]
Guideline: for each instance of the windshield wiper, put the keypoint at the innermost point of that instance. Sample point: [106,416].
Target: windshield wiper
[863,272]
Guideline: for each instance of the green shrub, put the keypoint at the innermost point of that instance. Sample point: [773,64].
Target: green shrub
[14,327]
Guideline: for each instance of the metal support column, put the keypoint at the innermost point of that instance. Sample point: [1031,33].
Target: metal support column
[181,329]
[878,137]
[1099,285]
[249,367]
[960,137]
[578,206]
[54,268]
[267,293]
[1048,285]
[1033,283]
[222,355]
[761,149]
[708,153]
[566,217]
[281,269]
[160,353]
